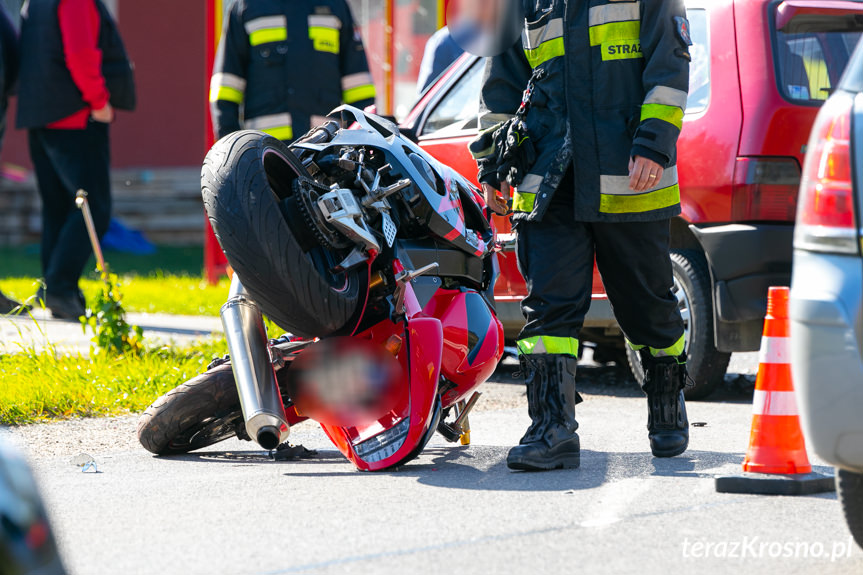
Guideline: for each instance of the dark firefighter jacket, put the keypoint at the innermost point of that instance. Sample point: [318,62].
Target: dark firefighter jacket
[615,86]
[287,64]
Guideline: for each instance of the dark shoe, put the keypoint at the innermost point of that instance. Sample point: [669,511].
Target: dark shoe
[558,448]
[667,424]
[550,441]
[65,307]
[10,306]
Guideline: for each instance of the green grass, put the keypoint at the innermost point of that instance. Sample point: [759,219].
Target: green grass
[167,294]
[38,386]
[42,385]
[23,261]
[169,281]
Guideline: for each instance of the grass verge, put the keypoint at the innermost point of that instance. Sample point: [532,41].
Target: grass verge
[42,385]
[172,294]
[169,281]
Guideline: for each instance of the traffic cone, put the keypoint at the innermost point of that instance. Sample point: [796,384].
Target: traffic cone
[776,461]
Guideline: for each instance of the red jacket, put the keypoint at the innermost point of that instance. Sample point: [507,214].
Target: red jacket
[79,27]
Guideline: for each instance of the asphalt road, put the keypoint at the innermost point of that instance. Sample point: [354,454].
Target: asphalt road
[229,509]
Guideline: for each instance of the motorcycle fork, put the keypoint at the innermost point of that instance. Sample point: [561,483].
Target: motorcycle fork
[260,398]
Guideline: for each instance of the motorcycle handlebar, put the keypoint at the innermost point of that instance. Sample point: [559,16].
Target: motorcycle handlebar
[322,134]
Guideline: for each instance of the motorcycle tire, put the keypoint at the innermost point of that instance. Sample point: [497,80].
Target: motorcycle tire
[247,186]
[200,412]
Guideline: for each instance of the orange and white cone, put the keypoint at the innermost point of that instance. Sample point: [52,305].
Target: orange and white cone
[776,461]
[776,442]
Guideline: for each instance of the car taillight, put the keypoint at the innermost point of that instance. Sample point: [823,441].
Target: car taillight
[825,216]
[765,189]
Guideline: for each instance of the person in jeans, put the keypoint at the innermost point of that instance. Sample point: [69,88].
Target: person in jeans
[8,76]
[65,104]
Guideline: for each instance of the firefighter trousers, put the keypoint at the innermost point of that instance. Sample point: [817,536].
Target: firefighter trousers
[556,255]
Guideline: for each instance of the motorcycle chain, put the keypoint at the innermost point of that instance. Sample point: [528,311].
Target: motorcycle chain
[328,238]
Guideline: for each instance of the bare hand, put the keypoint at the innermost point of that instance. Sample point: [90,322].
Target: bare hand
[104,115]
[497,200]
[644,174]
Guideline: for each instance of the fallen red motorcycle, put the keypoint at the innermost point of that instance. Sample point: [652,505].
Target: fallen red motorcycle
[380,264]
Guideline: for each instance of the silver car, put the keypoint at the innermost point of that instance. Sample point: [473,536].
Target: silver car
[826,305]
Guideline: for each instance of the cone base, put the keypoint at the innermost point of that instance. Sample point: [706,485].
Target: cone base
[765,484]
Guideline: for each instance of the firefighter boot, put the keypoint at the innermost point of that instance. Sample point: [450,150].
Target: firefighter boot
[667,425]
[550,442]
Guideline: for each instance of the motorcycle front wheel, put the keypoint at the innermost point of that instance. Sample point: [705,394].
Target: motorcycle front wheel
[247,183]
[200,412]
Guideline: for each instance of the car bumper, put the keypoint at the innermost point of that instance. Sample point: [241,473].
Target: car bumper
[745,260]
[826,312]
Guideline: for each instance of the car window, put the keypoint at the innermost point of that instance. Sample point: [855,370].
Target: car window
[699,68]
[853,78]
[811,53]
[458,110]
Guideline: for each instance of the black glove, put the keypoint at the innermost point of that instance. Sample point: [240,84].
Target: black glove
[518,154]
[504,150]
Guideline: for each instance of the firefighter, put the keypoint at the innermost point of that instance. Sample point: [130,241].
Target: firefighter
[281,66]
[602,183]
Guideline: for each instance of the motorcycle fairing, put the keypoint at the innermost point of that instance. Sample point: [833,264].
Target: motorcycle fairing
[441,203]
[401,432]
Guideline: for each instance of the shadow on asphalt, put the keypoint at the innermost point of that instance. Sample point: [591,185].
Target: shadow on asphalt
[484,468]
[617,381]
[251,457]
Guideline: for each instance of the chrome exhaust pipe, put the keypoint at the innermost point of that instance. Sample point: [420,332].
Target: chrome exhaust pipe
[260,398]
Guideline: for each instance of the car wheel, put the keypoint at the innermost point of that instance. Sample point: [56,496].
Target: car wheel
[706,365]
[849,486]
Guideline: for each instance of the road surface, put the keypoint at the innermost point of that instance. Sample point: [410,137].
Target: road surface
[229,509]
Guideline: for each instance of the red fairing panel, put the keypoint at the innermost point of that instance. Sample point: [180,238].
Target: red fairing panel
[473,340]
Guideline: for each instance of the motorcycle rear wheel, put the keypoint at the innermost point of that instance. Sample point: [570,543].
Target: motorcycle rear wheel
[247,186]
[198,413]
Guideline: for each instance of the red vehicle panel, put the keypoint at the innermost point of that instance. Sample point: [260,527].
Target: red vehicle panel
[760,71]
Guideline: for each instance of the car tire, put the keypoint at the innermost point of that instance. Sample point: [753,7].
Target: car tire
[849,487]
[197,413]
[705,364]
[247,185]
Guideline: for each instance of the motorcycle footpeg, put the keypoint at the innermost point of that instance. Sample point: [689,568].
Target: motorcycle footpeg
[449,433]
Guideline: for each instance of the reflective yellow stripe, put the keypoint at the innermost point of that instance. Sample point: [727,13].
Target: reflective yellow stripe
[226,93]
[614,31]
[548,344]
[545,52]
[280,133]
[637,203]
[622,50]
[671,114]
[358,93]
[266,35]
[324,39]
[523,201]
[675,350]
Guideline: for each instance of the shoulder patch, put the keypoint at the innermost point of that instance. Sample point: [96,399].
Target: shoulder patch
[682,25]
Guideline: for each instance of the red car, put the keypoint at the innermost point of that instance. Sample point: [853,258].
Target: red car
[760,71]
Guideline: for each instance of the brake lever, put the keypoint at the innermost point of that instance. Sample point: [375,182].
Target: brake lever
[403,278]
